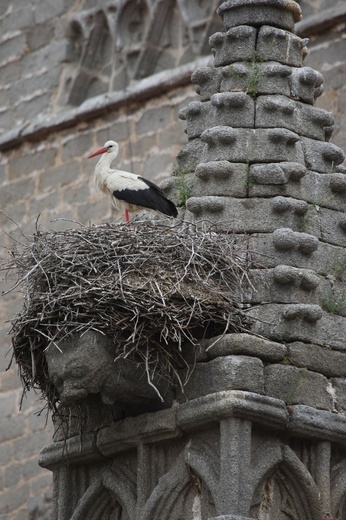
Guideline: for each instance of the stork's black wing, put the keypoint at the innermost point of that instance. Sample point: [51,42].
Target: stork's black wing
[151,197]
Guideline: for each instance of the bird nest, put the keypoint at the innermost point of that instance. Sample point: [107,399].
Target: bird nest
[152,287]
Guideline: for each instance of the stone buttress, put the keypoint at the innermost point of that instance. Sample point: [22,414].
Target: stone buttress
[263,432]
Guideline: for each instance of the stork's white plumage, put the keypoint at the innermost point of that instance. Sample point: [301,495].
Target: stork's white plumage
[129,192]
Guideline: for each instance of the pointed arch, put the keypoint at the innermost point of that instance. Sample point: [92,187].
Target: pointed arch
[286,486]
[101,494]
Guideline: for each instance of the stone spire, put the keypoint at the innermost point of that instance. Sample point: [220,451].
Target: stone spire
[259,433]
[261,163]
[255,133]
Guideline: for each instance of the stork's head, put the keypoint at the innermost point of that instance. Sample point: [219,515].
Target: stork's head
[109,147]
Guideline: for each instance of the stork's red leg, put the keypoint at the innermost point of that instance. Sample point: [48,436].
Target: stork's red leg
[127,217]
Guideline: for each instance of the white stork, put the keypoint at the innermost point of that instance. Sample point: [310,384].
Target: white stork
[128,191]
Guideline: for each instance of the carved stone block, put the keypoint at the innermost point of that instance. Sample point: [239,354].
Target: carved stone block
[244,344]
[276,173]
[236,44]
[306,84]
[248,215]
[299,323]
[297,386]
[288,247]
[299,117]
[260,145]
[280,13]
[280,45]
[321,157]
[84,365]
[234,109]
[225,373]
[207,81]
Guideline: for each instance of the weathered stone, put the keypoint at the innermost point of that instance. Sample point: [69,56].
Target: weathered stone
[308,422]
[234,109]
[189,155]
[280,45]
[339,388]
[297,386]
[306,84]
[207,81]
[297,249]
[115,382]
[319,359]
[260,145]
[212,177]
[272,321]
[237,44]
[276,173]
[225,373]
[246,345]
[283,284]
[280,13]
[321,157]
[160,425]
[12,48]
[252,406]
[247,215]
[313,187]
[154,119]
[304,119]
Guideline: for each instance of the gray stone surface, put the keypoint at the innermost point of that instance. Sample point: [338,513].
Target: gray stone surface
[319,359]
[285,246]
[299,322]
[308,422]
[234,109]
[246,345]
[321,157]
[207,81]
[259,145]
[232,403]
[297,386]
[280,13]
[304,119]
[253,215]
[294,180]
[280,45]
[225,373]
[306,84]
[236,44]
[85,365]
[212,177]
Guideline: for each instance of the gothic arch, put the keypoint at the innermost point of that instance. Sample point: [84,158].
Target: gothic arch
[170,495]
[286,491]
[110,492]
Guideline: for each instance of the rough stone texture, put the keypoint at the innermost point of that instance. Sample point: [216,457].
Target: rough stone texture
[48,69]
[297,386]
[225,373]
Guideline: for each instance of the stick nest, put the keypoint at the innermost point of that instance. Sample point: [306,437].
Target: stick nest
[151,287]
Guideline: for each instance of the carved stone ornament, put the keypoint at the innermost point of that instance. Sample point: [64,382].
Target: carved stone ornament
[84,365]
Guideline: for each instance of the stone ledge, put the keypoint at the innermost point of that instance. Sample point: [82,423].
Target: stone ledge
[157,84]
[129,433]
[317,424]
[322,21]
[215,407]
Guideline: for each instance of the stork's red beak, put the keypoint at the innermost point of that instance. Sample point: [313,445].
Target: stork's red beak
[98,152]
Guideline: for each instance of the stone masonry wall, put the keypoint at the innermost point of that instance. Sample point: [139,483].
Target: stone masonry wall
[50,175]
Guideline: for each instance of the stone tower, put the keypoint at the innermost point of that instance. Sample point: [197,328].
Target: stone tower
[263,433]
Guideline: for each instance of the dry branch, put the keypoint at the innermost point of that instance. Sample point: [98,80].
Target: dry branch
[150,286]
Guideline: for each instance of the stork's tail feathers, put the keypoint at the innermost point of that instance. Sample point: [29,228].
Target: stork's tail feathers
[167,207]
[156,199]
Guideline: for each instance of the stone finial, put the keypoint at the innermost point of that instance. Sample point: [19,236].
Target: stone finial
[280,13]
